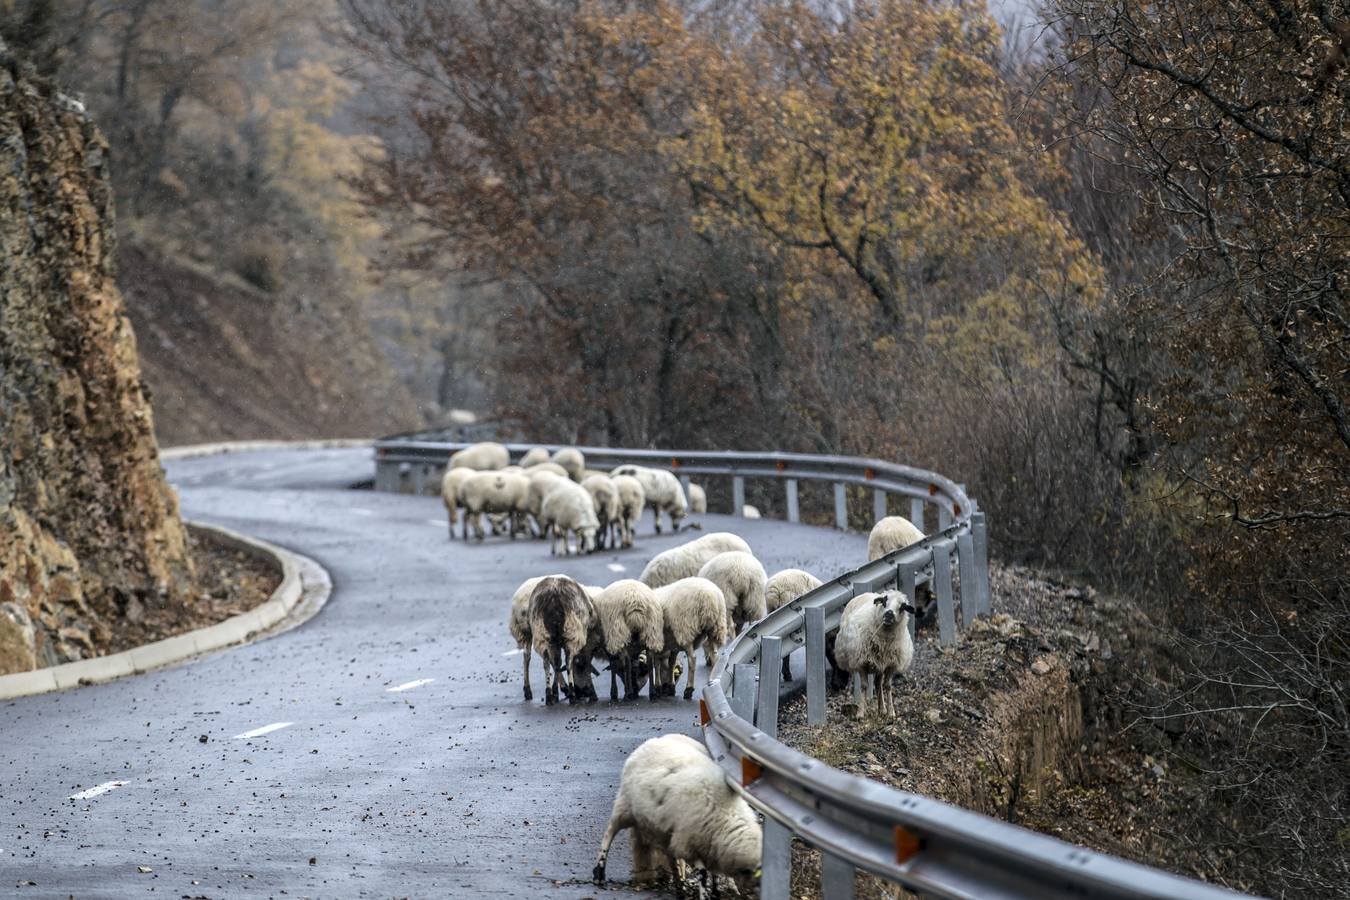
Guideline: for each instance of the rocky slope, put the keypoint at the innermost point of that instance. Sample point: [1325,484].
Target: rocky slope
[87,522]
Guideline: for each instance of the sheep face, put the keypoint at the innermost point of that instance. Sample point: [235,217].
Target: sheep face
[892,607]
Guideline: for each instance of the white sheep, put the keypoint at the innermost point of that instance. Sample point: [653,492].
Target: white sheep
[493,492]
[605,494]
[573,460]
[891,533]
[751,512]
[568,507]
[695,614]
[698,498]
[561,618]
[631,621]
[450,484]
[873,639]
[663,490]
[547,466]
[783,587]
[532,456]
[681,809]
[742,579]
[632,499]
[519,623]
[540,484]
[685,560]
[483,457]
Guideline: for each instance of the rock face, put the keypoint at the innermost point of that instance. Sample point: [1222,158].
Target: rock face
[87,522]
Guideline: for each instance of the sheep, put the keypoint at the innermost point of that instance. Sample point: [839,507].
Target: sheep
[483,457]
[663,491]
[632,498]
[532,456]
[681,809]
[874,639]
[605,494]
[493,492]
[571,459]
[568,508]
[587,473]
[695,615]
[742,579]
[891,533]
[630,620]
[685,560]
[783,587]
[561,618]
[751,512]
[547,466]
[540,484]
[450,484]
[519,623]
[698,499]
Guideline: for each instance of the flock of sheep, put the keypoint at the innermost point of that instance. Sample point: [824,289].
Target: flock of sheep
[557,495]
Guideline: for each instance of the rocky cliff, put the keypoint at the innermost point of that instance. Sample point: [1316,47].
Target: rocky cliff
[88,525]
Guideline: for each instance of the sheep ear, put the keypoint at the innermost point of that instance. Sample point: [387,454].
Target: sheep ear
[905,607]
[879,599]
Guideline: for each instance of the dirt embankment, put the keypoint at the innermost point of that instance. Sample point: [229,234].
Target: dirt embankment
[1030,719]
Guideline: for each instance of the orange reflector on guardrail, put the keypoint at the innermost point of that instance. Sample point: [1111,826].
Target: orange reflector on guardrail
[704,717]
[907,844]
[750,770]
[869,474]
[674,463]
[932,490]
[956,509]
[780,466]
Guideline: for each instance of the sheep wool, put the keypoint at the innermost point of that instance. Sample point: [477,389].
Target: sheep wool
[493,492]
[561,618]
[632,498]
[663,490]
[891,533]
[547,466]
[681,809]
[484,457]
[695,614]
[685,560]
[573,462]
[782,588]
[751,512]
[741,579]
[450,485]
[698,498]
[568,508]
[630,620]
[532,456]
[874,640]
[605,495]
[518,623]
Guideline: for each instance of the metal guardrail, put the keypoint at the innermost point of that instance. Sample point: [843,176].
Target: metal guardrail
[924,845]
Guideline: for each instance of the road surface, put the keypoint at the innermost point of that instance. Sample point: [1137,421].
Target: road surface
[449,786]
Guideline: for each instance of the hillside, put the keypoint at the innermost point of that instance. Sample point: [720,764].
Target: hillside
[224,360]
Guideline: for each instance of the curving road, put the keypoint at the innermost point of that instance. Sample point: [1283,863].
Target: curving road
[451,787]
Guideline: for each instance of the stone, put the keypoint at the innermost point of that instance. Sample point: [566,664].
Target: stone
[1043,665]
[18,640]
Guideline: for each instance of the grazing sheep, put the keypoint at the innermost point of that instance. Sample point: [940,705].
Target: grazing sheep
[519,623]
[891,533]
[631,621]
[547,467]
[742,579]
[874,640]
[782,588]
[685,560]
[605,494]
[568,508]
[573,460]
[450,484]
[540,484]
[493,492]
[533,456]
[681,809]
[695,615]
[698,499]
[632,498]
[484,457]
[561,618]
[663,490]
[589,472]
[751,512]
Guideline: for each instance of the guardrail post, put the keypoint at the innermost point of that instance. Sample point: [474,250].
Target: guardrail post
[770,669]
[791,488]
[916,513]
[684,484]
[742,700]
[404,478]
[878,505]
[815,666]
[738,495]
[980,537]
[942,583]
[944,516]
[836,877]
[970,584]
[775,880]
[907,577]
[840,507]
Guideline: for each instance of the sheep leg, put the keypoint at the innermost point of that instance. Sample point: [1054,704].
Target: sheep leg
[550,680]
[619,819]
[691,678]
[651,680]
[787,669]
[877,689]
[525,657]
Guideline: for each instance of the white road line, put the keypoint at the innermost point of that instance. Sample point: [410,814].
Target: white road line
[266,729]
[616,567]
[98,789]
[409,685]
[439,523]
[513,652]
[356,510]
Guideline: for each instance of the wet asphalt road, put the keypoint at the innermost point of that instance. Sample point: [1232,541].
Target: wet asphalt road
[454,787]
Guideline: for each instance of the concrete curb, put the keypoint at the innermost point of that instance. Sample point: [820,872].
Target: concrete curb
[301,579]
[190,450]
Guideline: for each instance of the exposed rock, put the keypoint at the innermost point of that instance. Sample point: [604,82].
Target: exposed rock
[18,646]
[1042,665]
[86,517]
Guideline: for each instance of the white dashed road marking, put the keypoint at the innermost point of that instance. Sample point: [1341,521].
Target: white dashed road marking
[266,729]
[409,685]
[98,789]
[513,652]
[358,511]
[439,523]
[616,567]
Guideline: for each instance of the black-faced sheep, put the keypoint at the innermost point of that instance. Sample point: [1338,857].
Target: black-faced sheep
[874,640]
[562,616]
[681,809]
[685,560]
